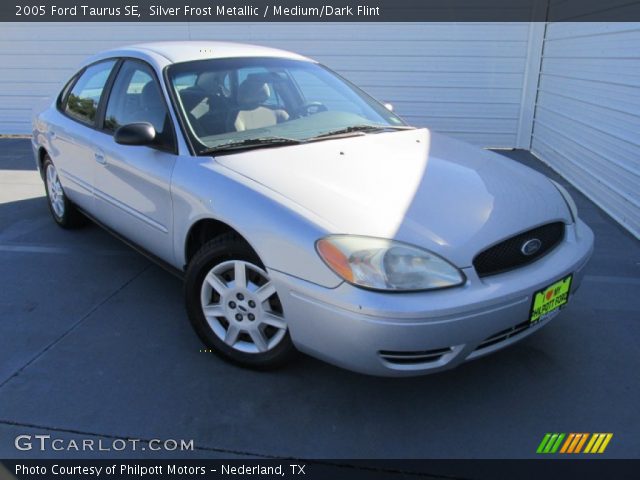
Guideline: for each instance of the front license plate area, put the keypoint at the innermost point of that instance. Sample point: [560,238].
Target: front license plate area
[550,299]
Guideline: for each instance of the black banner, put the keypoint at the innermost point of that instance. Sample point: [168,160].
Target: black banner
[319,10]
[268,469]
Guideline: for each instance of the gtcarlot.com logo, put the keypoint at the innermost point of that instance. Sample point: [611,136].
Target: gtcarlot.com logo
[574,443]
[48,443]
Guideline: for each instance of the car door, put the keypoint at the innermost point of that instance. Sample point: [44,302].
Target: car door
[132,183]
[73,134]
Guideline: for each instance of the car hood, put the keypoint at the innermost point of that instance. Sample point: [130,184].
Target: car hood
[415,186]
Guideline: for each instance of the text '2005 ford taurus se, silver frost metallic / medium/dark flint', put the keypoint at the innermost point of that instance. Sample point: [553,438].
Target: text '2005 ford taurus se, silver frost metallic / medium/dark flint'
[303,214]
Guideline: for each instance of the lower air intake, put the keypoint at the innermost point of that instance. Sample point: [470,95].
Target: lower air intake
[414,358]
[503,335]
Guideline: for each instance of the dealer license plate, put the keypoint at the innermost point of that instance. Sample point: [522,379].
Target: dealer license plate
[550,299]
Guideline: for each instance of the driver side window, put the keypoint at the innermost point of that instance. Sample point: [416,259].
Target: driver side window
[136,97]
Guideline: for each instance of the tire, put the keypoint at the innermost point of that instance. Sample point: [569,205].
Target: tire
[245,323]
[63,211]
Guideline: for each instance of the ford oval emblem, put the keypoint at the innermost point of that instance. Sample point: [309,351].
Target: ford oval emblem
[531,246]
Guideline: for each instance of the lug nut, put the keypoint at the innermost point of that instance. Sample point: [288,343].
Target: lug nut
[232,304]
[240,296]
[238,317]
[252,317]
[252,304]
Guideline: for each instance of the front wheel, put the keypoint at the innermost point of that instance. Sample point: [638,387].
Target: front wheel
[234,307]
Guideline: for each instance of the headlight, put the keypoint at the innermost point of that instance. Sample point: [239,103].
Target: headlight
[569,201]
[382,264]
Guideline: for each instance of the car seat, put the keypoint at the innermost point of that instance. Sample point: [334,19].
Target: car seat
[251,112]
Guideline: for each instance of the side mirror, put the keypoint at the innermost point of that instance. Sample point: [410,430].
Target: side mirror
[388,106]
[141,133]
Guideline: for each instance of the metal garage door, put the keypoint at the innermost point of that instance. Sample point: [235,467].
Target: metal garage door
[587,119]
[462,79]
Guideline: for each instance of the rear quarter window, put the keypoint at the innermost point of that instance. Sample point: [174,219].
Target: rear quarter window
[60,102]
[84,98]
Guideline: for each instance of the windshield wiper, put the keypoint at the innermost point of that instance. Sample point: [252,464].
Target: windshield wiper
[359,128]
[264,142]
[251,143]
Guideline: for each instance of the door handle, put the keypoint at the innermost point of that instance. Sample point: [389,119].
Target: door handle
[100,158]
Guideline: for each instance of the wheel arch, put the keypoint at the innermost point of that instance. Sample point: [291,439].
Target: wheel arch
[204,230]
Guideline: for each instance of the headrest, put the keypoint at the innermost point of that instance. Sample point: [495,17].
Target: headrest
[208,81]
[150,95]
[253,92]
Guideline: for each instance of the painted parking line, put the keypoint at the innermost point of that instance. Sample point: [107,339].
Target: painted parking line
[64,250]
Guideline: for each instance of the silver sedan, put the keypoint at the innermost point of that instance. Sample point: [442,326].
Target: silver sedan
[304,215]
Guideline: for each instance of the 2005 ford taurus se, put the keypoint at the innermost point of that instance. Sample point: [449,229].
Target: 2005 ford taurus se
[303,214]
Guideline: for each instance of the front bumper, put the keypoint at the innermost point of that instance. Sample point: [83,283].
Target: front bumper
[402,334]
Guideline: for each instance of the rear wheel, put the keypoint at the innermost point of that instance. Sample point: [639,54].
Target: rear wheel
[63,211]
[234,307]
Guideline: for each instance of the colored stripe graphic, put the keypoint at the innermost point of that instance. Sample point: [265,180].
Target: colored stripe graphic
[605,443]
[576,439]
[556,445]
[543,443]
[581,442]
[598,442]
[552,440]
[567,443]
[550,443]
[574,442]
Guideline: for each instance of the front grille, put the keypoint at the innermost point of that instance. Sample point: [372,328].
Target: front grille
[410,358]
[503,335]
[507,255]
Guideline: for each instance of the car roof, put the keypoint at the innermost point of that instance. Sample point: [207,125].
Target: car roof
[185,51]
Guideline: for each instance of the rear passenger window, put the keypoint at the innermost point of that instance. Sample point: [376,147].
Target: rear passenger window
[84,97]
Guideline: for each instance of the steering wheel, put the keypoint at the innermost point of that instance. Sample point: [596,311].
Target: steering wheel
[310,108]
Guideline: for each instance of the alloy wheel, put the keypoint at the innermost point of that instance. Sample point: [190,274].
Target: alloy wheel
[240,304]
[54,189]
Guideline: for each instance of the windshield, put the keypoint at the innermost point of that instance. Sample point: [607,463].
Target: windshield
[269,101]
